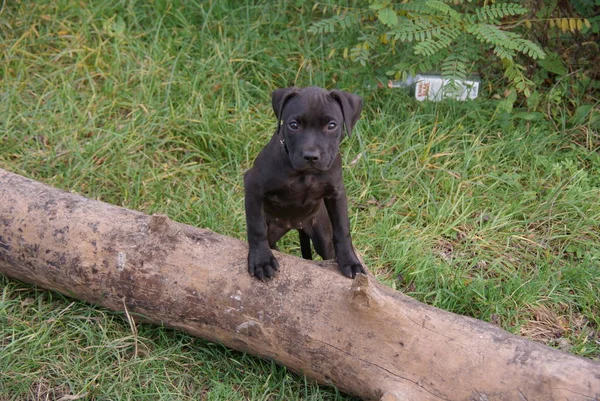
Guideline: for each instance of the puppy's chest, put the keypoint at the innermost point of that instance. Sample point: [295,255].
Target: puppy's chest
[306,191]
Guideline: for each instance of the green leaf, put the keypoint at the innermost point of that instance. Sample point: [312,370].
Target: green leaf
[554,64]
[581,113]
[506,105]
[529,116]
[377,6]
[388,17]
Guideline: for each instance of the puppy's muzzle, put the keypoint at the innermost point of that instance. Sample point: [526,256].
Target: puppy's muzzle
[311,156]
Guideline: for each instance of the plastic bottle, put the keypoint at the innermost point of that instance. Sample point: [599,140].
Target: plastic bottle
[435,88]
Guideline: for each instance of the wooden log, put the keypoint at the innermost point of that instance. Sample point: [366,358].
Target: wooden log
[364,338]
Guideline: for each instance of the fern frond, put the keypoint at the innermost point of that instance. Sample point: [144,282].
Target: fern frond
[505,39]
[328,25]
[403,70]
[430,46]
[490,34]
[503,52]
[506,42]
[417,29]
[432,62]
[359,54]
[433,8]
[444,9]
[528,47]
[454,66]
[514,73]
[416,8]
[362,50]
[498,11]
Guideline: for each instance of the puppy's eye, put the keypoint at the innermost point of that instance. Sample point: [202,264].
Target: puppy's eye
[293,125]
[332,125]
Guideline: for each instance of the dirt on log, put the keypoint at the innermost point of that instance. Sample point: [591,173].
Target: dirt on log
[358,335]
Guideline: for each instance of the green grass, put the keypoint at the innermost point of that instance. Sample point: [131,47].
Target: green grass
[160,107]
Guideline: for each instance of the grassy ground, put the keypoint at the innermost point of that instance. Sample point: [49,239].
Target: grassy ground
[160,106]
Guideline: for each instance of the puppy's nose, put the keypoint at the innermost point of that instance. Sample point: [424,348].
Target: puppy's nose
[311,155]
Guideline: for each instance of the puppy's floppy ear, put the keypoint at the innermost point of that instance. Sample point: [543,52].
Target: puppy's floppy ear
[351,105]
[278,98]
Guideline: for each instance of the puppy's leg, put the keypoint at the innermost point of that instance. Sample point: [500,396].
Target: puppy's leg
[261,262]
[274,234]
[337,208]
[321,234]
[305,245]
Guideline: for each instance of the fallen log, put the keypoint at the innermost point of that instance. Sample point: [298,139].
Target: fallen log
[364,338]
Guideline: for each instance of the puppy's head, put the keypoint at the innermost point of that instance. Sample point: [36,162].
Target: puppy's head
[311,124]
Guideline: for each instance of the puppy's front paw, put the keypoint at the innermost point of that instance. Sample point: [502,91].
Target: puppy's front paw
[350,266]
[262,264]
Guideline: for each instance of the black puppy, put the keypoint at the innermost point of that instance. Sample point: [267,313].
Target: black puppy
[296,180]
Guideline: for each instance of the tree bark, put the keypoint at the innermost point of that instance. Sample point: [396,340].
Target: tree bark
[364,338]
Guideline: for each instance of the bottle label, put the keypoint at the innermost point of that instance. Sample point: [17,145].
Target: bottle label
[435,88]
